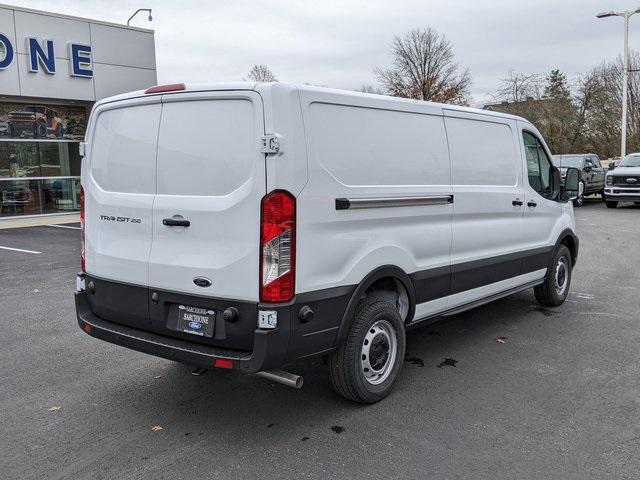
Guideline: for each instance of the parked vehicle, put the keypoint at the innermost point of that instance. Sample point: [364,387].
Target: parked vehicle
[623,181]
[37,121]
[592,173]
[249,226]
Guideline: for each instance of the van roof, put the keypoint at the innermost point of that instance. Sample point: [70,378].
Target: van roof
[202,87]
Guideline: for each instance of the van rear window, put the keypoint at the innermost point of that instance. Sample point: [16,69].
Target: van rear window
[207,147]
[123,149]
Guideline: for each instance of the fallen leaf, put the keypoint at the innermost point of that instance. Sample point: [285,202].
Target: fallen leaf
[156,428]
[55,409]
[35,290]
[501,340]
[157,376]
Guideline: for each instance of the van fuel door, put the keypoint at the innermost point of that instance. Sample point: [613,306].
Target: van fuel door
[270,144]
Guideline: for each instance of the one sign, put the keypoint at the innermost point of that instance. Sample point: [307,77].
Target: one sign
[41,55]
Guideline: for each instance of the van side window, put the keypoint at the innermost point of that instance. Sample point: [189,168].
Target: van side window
[538,166]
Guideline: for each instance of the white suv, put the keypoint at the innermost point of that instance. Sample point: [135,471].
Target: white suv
[249,226]
[622,183]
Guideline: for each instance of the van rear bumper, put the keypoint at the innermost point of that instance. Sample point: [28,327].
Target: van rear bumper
[269,348]
[118,313]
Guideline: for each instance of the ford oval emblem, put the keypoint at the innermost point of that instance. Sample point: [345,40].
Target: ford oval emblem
[195,325]
[202,282]
[632,180]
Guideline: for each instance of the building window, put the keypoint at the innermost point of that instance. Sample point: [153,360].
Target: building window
[39,158]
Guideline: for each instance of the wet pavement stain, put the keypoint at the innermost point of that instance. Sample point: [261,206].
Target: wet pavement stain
[545,311]
[270,425]
[414,361]
[448,362]
[337,429]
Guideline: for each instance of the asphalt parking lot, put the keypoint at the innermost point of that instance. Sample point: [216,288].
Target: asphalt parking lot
[560,398]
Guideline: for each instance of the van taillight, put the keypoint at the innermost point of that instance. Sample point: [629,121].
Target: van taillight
[277,247]
[82,248]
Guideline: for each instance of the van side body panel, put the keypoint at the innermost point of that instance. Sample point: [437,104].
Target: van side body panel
[362,148]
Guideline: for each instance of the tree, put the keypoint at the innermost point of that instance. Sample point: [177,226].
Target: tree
[556,87]
[261,73]
[424,68]
[370,89]
[518,87]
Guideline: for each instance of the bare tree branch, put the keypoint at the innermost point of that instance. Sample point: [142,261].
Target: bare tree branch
[424,68]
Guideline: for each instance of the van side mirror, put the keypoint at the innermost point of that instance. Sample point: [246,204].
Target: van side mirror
[612,165]
[571,188]
[588,169]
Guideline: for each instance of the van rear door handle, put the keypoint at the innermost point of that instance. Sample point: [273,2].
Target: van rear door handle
[532,204]
[516,203]
[174,222]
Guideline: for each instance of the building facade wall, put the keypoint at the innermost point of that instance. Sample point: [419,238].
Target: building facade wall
[52,69]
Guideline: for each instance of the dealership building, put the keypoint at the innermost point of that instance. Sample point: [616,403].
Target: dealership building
[52,69]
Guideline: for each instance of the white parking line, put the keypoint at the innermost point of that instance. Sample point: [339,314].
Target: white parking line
[19,250]
[64,226]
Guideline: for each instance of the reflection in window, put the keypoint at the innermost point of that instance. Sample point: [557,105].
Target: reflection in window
[34,197]
[19,159]
[39,159]
[538,166]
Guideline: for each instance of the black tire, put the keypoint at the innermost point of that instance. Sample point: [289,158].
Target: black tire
[40,130]
[611,203]
[560,268]
[346,369]
[578,202]
[602,196]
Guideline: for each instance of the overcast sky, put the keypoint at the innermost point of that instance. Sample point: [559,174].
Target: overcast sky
[337,43]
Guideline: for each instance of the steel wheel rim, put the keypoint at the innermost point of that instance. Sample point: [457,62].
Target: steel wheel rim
[561,275]
[378,353]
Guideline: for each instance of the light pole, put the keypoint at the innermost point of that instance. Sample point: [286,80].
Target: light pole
[137,12]
[625,85]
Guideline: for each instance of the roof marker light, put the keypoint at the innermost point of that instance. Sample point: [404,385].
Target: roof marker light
[172,87]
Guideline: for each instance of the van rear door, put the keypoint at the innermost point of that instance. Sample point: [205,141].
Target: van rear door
[211,177]
[119,180]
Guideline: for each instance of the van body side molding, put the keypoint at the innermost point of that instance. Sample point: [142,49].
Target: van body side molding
[383,202]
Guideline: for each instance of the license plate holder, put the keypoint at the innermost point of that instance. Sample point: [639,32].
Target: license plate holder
[196,320]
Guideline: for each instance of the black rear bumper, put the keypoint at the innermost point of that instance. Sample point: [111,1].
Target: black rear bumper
[120,314]
[268,353]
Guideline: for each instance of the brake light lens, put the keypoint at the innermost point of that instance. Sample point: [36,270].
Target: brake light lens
[82,248]
[172,87]
[277,247]
[223,363]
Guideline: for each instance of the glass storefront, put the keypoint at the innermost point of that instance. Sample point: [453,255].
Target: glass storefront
[38,178]
[40,159]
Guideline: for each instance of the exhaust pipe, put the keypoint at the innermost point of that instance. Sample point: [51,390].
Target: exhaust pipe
[285,378]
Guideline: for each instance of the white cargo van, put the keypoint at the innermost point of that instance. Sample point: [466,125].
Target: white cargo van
[249,226]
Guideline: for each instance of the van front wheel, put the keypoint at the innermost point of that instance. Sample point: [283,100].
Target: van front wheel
[367,364]
[555,288]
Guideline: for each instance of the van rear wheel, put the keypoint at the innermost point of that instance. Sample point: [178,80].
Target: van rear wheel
[554,290]
[367,364]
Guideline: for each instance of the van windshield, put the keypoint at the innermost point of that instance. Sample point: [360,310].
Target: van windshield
[574,161]
[630,161]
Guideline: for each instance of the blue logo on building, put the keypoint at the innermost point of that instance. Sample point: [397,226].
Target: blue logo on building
[42,55]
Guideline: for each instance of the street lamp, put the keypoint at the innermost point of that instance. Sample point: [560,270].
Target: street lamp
[625,85]
[137,12]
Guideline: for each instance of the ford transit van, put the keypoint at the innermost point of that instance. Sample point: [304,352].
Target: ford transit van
[250,226]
